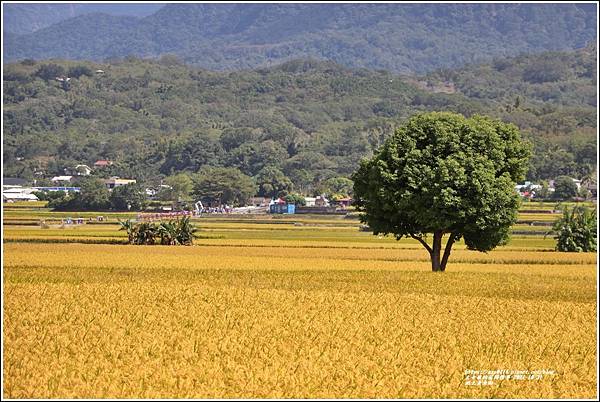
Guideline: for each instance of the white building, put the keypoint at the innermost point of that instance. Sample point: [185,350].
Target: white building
[319,201]
[17,190]
[12,197]
[83,170]
[18,194]
[117,182]
[310,201]
[61,179]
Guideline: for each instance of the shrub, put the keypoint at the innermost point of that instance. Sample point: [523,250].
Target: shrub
[50,71]
[295,199]
[174,232]
[575,231]
[80,70]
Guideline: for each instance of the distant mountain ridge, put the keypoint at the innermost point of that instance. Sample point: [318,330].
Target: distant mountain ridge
[25,18]
[404,38]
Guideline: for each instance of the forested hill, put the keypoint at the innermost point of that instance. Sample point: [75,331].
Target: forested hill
[304,121]
[402,38]
[24,18]
[552,96]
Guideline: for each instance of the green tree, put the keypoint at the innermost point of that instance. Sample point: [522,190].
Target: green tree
[56,199]
[444,174]
[564,188]
[545,70]
[219,185]
[93,194]
[576,230]
[232,138]
[544,191]
[295,199]
[336,187]
[272,182]
[587,180]
[50,195]
[251,157]
[78,71]
[181,187]
[550,162]
[128,197]
[50,71]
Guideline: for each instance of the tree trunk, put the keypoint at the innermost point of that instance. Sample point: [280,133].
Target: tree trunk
[447,251]
[435,251]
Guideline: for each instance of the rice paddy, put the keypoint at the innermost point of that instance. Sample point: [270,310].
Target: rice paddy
[303,308]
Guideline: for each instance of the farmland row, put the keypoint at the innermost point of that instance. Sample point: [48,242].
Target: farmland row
[101,321]
[189,256]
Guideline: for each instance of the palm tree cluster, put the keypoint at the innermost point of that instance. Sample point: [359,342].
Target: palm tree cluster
[575,231]
[170,233]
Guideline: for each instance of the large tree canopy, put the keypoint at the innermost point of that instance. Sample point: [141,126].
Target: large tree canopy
[444,174]
[220,185]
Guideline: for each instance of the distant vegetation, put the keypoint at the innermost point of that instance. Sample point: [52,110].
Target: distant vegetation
[94,196]
[576,230]
[551,95]
[167,233]
[404,38]
[302,126]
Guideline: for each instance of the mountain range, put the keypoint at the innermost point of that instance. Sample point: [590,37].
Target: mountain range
[25,18]
[401,38]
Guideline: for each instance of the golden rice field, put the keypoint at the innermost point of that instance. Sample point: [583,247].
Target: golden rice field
[265,310]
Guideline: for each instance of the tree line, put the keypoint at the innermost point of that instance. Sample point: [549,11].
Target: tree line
[298,127]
